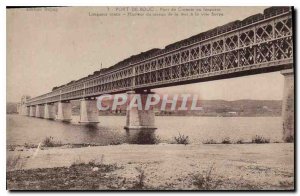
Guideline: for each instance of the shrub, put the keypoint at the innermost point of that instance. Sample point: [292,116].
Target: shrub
[140,183]
[289,139]
[182,139]
[239,141]
[28,146]
[95,163]
[50,142]
[11,147]
[226,140]
[260,140]
[92,162]
[210,141]
[77,161]
[205,180]
[116,142]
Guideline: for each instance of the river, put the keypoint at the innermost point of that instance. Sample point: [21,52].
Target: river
[23,129]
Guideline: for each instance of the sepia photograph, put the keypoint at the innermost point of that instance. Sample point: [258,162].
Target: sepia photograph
[150,98]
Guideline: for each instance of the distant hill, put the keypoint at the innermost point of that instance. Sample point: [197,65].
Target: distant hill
[242,107]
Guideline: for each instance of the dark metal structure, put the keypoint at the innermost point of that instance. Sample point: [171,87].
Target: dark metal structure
[260,43]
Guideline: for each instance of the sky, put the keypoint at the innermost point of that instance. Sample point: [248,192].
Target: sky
[47,48]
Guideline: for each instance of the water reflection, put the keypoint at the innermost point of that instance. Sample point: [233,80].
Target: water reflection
[91,127]
[144,136]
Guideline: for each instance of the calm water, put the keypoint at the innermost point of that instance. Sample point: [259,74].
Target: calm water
[21,129]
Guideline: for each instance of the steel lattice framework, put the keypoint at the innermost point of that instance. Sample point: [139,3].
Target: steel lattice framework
[263,45]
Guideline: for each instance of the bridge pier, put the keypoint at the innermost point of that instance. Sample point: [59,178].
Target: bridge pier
[32,111]
[288,105]
[23,110]
[140,124]
[27,111]
[88,111]
[20,109]
[64,112]
[49,112]
[39,111]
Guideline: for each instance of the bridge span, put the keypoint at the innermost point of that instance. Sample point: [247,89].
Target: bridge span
[260,43]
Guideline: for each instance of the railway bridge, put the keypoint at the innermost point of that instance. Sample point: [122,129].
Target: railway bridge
[258,44]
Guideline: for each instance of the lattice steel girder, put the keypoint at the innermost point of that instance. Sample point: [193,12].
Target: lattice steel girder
[283,26]
[205,65]
[218,46]
[247,56]
[264,31]
[175,72]
[153,65]
[195,53]
[265,43]
[175,58]
[247,37]
[205,50]
[231,60]
[217,63]
[283,48]
[264,52]
[195,67]
[185,56]
[160,63]
[231,41]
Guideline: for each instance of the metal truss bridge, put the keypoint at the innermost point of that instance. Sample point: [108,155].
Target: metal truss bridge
[258,44]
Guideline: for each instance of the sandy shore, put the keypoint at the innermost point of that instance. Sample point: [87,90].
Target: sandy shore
[172,166]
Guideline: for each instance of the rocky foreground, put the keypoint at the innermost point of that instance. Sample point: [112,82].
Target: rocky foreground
[154,167]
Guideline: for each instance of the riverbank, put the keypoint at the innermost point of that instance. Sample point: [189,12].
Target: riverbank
[162,166]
